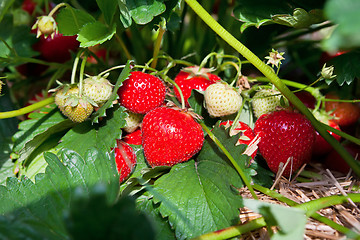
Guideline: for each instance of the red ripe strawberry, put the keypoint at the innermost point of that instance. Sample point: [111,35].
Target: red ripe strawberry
[133,138]
[57,49]
[284,134]
[31,69]
[321,146]
[246,133]
[326,56]
[191,78]
[28,6]
[335,162]
[306,98]
[125,159]
[345,113]
[142,92]
[99,52]
[170,136]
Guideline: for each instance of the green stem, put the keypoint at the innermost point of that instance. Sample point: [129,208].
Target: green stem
[162,29]
[59,72]
[57,7]
[234,125]
[178,88]
[341,134]
[81,77]
[314,91]
[111,69]
[270,74]
[295,34]
[27,109]
[340,100]
[232,160]
[123,46]
[35,60]
[233,231]
[73,73]
[324,202]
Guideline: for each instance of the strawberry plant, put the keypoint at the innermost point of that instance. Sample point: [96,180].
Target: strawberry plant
[134,135]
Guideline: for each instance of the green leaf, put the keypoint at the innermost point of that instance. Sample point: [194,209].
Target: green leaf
[102,135]
[117,221]
[4,7]
[198,197]
[291,221]
[259,12]
[346,67]
[7,128]
[300,18]
[95,33]
[71,20]
[109,103]
[143,11]
[125,16]
[37,124]
[162,227]
[15,41]
[33,132]
[347,32]
[40,138]
[108,9]
[39,207]
[259,174]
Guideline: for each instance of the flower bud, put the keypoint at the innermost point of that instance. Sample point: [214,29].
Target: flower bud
[45,25]
[327,72]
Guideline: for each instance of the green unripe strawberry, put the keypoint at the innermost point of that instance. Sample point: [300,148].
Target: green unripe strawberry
[133,121]
[221,99]
[265,101]
[98,89]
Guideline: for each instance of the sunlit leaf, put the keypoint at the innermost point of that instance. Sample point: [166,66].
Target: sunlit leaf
[347,32]
[291,221]
[95,33]
[143,11]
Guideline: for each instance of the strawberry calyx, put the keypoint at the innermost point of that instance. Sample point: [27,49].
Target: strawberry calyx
[188,111]
[197,71]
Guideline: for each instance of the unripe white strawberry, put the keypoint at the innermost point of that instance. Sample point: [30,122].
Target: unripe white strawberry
[133,121]
[265,101]
[98,89]
[221,99]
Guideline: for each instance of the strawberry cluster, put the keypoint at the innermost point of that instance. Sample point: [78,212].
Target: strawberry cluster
[169,135]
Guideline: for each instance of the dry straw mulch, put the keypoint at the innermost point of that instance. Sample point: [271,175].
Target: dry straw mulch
[331,183]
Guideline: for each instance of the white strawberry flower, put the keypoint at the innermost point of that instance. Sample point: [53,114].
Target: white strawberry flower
[275,58]
[222,99]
